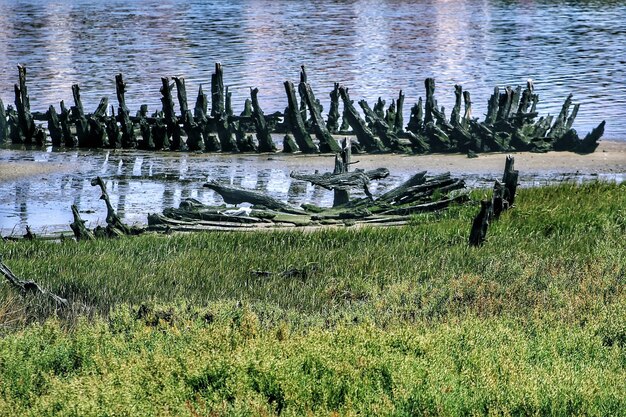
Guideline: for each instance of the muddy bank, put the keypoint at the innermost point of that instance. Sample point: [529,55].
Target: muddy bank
[39,186]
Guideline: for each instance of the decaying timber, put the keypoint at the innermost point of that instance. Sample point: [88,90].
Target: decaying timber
[29,286]
[511,123]
[417,195]
[502,199]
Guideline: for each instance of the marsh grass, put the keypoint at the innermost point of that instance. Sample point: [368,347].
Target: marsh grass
[391,321]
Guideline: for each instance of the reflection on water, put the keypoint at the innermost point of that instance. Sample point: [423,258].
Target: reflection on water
[374,47]
[148,182]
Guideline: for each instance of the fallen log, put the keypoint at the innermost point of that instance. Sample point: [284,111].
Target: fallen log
[29,286]
[234,195]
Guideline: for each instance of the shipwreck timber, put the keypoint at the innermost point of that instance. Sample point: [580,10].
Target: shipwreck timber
[512,122]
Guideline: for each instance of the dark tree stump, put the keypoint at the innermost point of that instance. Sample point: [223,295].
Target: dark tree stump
[69,139]
[264,137]
[296,124]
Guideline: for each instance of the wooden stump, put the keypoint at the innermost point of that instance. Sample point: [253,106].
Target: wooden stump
[264,137]
[326,141]
[129,141]
[296,124]
[364,135]
[4,126]
[480,224]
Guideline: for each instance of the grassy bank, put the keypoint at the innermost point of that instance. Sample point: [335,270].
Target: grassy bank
[376,321]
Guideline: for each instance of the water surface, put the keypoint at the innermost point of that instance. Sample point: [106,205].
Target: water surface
[374,47]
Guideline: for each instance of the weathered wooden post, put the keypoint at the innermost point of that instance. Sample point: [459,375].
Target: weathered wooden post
[333,113]
[170,119]
[126,126]
[263,135]
[4,127]
[480,224]
[326,141]
[26,129]
[399,122]
[302,137]
[364,135]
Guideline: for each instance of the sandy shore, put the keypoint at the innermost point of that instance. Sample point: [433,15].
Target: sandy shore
[609,158]
[10,171]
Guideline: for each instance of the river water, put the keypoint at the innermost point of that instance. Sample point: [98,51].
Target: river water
[374,47]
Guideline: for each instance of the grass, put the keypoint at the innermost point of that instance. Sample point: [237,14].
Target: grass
[397,321]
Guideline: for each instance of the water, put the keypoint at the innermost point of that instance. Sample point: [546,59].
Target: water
[374,47]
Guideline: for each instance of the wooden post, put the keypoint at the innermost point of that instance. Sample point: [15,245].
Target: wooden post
[399,122]
[302,137]
[416,120]
[326,141]
[333,114]
[78,227]
[509,179]
[364,135]
[467,115]
[54,127]
[217,91]
[69,139]
[4,127]
[181,93]
[26,124]
[170,119]
[263,135]
[492,107]
[82,126]
[126,126]
[342,165]
[455,116]
[480,224]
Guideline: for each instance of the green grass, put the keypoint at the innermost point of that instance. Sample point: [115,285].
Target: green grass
[397,321]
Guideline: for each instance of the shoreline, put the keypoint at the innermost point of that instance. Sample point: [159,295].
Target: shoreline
[609,158]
